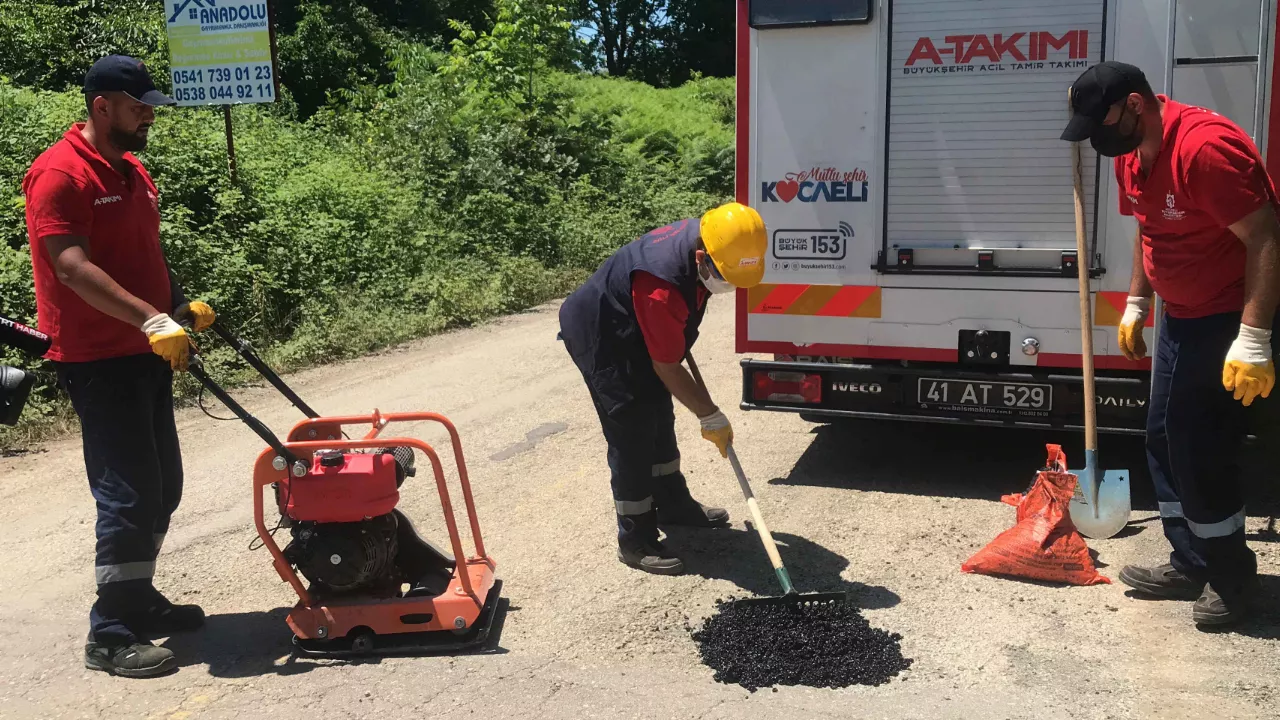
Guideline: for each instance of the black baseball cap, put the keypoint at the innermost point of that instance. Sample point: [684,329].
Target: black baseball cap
[121,73]
[1095,91]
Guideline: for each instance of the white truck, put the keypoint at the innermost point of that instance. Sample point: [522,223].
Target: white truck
[905,156]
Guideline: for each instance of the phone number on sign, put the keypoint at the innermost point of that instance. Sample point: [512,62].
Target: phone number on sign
[225,93]
[257,73]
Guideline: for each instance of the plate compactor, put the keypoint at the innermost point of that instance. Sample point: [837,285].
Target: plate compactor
[374,586]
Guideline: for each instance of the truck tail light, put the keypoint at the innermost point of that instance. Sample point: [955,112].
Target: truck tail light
[793,387]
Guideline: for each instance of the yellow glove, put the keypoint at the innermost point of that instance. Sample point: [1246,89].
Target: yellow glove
[1132,344]
[717,430]
[199,314]
[168,340]
[1249,370]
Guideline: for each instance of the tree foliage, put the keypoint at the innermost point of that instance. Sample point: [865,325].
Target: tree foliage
[51,45]
[624,32]
[527,37]
[443,187]
[662,42]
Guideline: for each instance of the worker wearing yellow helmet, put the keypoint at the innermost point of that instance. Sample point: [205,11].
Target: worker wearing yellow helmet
[628,329]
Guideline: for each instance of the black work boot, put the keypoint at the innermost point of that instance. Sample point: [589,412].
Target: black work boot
[166,618]
[638,545]
[677,507]
[138,660]
[158,616]
[1224,607]
[1163,582]
[651,557]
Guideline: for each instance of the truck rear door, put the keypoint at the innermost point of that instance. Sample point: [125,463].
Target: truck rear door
[977,179]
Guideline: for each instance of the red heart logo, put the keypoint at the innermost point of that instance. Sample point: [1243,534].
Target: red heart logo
[787,190]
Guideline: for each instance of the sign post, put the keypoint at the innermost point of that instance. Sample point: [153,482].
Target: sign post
[222,52]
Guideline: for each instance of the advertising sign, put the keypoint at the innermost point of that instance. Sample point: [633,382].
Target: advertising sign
[220,51]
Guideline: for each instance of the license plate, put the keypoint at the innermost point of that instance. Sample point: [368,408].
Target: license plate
[1000,396]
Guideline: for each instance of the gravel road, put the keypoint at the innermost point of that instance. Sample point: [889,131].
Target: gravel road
[886,511]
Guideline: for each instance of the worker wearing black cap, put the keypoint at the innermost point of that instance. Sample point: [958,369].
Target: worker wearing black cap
[106,298]
[1209,243]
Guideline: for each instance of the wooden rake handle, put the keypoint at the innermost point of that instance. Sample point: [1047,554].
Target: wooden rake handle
[770,547]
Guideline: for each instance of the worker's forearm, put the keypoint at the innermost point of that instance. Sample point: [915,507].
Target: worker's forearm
[1139,284]
[102,293]
[685,389]
[1261,284]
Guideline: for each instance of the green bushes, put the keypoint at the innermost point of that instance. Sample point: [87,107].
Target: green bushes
[409,208]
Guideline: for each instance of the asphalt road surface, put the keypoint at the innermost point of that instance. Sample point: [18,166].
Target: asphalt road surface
[886,511]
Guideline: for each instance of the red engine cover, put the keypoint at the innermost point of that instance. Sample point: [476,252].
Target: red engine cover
[363,486]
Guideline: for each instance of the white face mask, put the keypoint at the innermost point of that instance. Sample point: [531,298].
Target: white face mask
[713,284]
[716,286]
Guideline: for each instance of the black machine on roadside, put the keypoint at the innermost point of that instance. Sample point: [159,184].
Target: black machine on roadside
[16,384]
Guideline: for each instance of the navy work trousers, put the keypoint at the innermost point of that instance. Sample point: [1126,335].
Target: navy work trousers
[134,464]
[644,464]
[1195,428]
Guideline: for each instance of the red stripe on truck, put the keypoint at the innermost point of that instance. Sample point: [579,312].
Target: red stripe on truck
[742,130]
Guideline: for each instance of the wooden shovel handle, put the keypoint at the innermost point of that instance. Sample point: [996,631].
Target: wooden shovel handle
[1083,263]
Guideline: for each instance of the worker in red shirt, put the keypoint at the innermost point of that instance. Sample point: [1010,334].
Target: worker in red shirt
[106,298]
[628,329]
[1209,243]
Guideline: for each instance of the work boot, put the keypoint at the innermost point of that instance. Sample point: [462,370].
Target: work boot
[1162,582]
[652,557]
[692,514]
[165,618]
[156,615]
[139,660]
[677,507]
[1230,605]
[638,545]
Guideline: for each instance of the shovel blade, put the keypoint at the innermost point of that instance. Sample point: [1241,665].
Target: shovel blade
[1110,513]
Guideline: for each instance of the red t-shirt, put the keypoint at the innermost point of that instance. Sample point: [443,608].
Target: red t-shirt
[662,314]
[1208,176]
[72,190]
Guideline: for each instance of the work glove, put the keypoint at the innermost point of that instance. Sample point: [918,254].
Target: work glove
[1132,344]
[168,340]
[1249,370]
[716,429]
[198,314]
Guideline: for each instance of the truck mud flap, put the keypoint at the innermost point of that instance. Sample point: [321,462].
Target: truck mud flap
[1007,396]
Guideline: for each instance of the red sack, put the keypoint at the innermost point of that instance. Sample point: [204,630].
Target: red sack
[1044,544]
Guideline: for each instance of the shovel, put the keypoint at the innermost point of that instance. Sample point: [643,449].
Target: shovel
[1101,504]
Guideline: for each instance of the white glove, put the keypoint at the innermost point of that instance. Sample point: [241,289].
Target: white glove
[168,340]
[716,430]
[1130,337]
[715,421]
[1248,370]
[161,324]
[1136,310]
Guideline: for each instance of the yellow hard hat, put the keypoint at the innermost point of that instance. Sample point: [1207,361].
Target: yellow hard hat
[735,238]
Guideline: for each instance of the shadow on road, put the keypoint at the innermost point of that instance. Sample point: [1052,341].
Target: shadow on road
[239,645]
[975,462]
[738,556]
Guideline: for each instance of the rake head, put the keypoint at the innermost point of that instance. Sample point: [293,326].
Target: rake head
[794,601]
